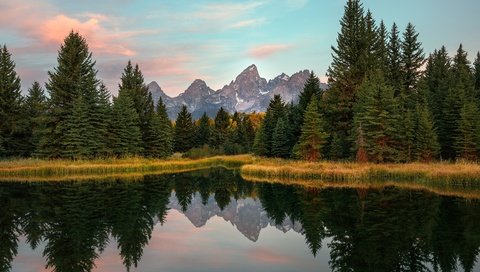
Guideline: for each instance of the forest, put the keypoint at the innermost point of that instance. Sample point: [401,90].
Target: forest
[386,102]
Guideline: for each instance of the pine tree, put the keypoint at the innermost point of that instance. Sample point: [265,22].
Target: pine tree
[78,139]
[184,131]
[427,147]
[346,73]
[467,141]
[275,111]
[376,116]
[394,71]
[313,137]
[435,84]
[370,43]
[461,90]
[35,109]
[221,128]
[133,84]
[74,77]
[412,60]
[127,137]
[100,116]
[203,132]
[10,105]
[166,130]
[381,48]
[259,143]
[281,140]
[476,76]
[311,87]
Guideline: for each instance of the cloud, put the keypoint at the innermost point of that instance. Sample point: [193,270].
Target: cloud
[266,256]
[47,28]
[225,11]
[267,50]
[248,23]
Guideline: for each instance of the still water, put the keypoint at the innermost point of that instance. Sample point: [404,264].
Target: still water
[215,221]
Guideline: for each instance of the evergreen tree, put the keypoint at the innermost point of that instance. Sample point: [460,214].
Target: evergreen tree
[133,84]
[394,71]
[166,130]
[467,141]
[346,73]
[412,59]
[476,69]
[127,137]
[376,117]
[311,87]
[461,91]
[74,77]
[203,132]
[35,109]
[313,137]
[10,105]
[221,128]
[100,115]
[370,43]
[427,147]
[78,139]
[259,143]
[435,85]
[381,48]
[275,111]
[184,131]
[281,140]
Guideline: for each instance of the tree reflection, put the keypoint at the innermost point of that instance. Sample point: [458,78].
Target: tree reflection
[369,230]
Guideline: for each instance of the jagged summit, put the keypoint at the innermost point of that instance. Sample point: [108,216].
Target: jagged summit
[249,92]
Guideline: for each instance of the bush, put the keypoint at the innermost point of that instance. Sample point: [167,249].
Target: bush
[203,152]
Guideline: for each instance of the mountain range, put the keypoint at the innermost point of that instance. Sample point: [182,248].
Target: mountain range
[247,215]
[247,93]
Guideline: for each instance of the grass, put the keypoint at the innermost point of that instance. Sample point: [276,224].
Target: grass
[39,170]
[456,179]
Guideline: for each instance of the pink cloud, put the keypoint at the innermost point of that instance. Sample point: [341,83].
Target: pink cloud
[47,28]
[266,256]
[267,50]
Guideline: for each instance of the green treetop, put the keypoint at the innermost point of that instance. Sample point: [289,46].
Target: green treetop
[184,131]
[314,136]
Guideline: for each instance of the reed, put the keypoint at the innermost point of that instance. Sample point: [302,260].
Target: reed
[458,179]
[37,170]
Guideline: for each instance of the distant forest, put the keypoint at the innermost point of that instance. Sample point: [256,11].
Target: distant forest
[386,102]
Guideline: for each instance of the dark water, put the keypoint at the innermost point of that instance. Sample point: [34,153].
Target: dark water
[214,221]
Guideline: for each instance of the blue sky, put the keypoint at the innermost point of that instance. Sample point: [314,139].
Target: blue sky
[175,42]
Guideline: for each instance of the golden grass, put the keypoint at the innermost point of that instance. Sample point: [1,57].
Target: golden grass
[455,179]
[43,170]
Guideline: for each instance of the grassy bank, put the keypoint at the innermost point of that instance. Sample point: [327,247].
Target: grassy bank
[56,170]
[459,179]
[456,179]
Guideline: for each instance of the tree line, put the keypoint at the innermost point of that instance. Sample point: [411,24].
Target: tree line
[79,120]
[386,101]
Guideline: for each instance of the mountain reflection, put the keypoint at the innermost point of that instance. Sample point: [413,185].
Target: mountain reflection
[367,230]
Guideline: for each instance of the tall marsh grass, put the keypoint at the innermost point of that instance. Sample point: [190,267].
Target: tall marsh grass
[459,179]
[31,169]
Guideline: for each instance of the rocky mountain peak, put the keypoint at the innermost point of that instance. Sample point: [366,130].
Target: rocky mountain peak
[198,88]
[250,72]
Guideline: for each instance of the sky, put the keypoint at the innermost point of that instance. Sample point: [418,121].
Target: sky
[176,42]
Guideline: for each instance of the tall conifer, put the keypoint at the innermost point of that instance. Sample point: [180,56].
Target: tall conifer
[10,105]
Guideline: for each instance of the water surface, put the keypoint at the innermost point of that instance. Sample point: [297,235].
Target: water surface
[215,221]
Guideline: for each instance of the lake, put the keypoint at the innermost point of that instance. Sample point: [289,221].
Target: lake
[213,220]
